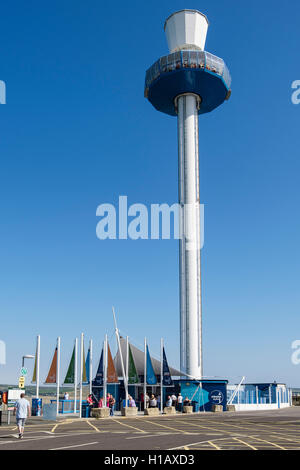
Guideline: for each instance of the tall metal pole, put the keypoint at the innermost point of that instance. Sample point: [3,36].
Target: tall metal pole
[145,372]
[105,371]
[38,352]
[57,375]
[91,364]
[126,371]
[75,375]
[120,351]
[81,371]
[161,374]
[190,269]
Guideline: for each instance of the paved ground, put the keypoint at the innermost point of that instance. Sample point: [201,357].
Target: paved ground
[274,430]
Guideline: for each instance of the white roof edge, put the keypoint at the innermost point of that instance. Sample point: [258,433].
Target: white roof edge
[186,9]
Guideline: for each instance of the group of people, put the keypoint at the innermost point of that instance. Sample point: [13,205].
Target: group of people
[154,401]
[110,402]
[178,402]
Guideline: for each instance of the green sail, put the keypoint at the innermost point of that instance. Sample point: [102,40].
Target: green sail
[133,377]
[70,377]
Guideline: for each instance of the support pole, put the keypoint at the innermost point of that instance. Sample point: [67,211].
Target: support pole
[91,365]
[127,370]
[161,374]
[38,352]
[57,375]
[145,372]
[189,244]
[105,370]
[75,375]
[121,355]
[81,372]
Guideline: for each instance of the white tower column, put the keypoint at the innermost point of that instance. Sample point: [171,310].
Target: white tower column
[190,269]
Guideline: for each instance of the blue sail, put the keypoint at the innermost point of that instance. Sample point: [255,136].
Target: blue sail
[150,375]
[167,380]
[98,380]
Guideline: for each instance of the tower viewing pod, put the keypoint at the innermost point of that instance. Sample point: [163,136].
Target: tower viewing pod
[185,83]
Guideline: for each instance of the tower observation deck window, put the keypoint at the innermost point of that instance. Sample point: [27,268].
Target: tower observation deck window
[214,63]
[163,64]
[185,58]
[226,76]
[193,59]
[201,59]
[188,59]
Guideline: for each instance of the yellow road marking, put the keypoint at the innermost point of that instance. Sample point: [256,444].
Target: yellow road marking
[268,442]
[98,430]
[207,427]
[168,427]
[128,425]
[245,443]
[214,445]
[54,427]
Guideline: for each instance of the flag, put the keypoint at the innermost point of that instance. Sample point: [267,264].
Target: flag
[133,377]
[111,371]
[84,378]
[52,374]
[167,380]
[87,367]
[70,376]
[150,375]
[33,381]
[98,380]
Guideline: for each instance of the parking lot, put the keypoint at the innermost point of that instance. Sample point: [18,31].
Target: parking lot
[264,430]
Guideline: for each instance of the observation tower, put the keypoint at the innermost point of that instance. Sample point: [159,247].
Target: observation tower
[186,83]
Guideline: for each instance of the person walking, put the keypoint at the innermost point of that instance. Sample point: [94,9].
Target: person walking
[22,411]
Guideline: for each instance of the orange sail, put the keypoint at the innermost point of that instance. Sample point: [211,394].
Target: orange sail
[112,377]
[51,377]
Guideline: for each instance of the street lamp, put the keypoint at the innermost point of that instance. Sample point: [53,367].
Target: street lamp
[27,356]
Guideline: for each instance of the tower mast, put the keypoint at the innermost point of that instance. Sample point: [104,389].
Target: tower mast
[188,82]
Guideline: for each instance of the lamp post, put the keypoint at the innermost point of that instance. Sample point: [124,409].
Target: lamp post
[27,356]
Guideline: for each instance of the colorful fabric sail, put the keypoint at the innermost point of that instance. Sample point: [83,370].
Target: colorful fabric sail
[87,367]
[167,380]
[70,376]
[52,374]
[150,375]
[33,381]
[112,377]
[98,380]
[84,378]
[133,377]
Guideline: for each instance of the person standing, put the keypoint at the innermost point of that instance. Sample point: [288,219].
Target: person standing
[153,402]
[179,402]
[158,402]
[174,400]
[147,400]
[169,401]
[22,411]
[111,405]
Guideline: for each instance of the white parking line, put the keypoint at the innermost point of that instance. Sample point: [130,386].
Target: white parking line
[78,445]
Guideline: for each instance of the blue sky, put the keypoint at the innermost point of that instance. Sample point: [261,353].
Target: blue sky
[77,132]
